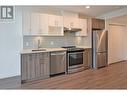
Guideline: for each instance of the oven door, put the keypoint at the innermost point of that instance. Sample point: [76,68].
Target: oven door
[75,59]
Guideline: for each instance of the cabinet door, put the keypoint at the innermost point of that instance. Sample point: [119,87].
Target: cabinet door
[71,22]
[28,67]
[44,60]
[102,24]
[26,23]
[37,65]
[87,58]
[83,26]
[34,24]
[34,66]
[55,25]
[24,59]
[74,22]
[98,23]
[66,21]
[43,24]
[55,20]
[31,67]
[95,23]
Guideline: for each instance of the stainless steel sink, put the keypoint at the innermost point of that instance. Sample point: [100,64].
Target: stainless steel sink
[39,49]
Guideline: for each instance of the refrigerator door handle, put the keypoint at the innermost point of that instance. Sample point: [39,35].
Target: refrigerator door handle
[98,42]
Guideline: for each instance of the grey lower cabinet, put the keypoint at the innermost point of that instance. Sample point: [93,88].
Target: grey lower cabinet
[88,58]
[35,66]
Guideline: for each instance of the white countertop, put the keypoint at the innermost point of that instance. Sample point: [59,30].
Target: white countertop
[26,51]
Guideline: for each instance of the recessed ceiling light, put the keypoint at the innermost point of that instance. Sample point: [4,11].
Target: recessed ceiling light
[87,7]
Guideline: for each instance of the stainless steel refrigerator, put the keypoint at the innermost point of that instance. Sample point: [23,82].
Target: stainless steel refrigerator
[99,48]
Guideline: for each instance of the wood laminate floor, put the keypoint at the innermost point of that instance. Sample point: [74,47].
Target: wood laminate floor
[111,77]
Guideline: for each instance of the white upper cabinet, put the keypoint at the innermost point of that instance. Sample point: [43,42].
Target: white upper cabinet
[51,25]
[83,26]
[71,22]
[43,24]
[35,24]
[56,21]
[26,23]
[55,25]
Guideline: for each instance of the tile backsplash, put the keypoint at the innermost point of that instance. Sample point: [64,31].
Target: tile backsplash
[68,39]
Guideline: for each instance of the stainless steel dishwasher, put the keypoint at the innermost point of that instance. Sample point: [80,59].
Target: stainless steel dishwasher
[57,63]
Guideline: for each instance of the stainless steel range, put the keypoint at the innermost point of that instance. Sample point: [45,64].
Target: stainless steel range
[75,60]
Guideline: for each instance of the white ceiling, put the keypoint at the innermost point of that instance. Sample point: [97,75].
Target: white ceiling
[93,11]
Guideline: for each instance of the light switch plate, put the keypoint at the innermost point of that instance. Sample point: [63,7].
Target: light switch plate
[52,43]
[27,43]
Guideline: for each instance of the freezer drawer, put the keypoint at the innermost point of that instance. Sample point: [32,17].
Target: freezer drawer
[101,59]
[57,63]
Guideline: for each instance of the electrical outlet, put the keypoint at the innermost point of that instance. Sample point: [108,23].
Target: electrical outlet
[27,43]
[52,43]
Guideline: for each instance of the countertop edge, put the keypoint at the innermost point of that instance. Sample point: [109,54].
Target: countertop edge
[29,51]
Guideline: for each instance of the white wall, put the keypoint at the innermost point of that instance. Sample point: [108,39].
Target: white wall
[11,45]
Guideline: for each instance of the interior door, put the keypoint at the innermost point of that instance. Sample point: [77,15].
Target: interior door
[117,40]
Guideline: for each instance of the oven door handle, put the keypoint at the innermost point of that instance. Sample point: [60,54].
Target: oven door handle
[76,53]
